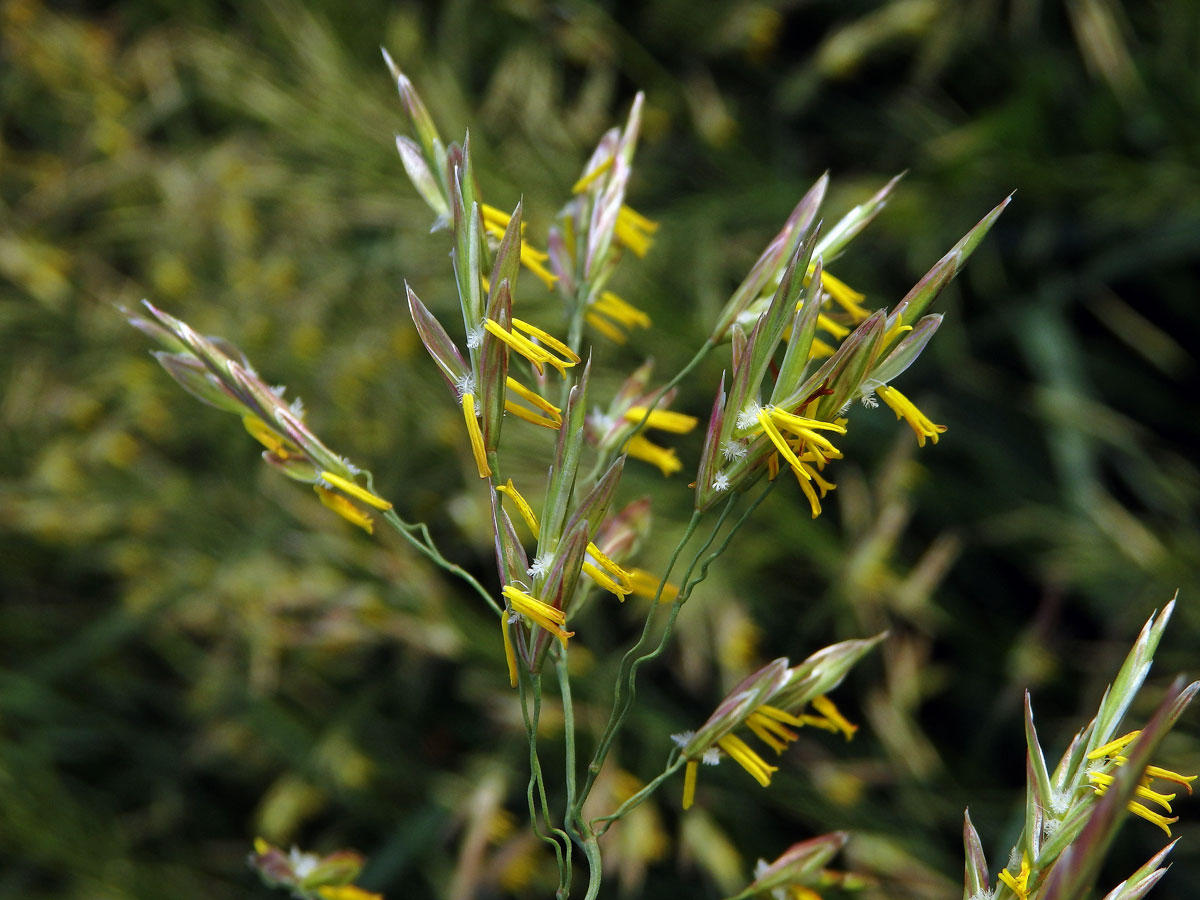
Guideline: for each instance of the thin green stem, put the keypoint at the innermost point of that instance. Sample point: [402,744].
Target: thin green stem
[637,799]
[712,536]
[580,830]
[536,792]
[425,545]
[627,680]
[620,704]
[568,708]
[721,548]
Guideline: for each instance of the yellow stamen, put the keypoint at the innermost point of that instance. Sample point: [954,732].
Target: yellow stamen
[1102,780]
[819,349]
[1114,746]
[814,501]
[779,715]
[268,437]
[801,425]
[534,261]
[495,223]
[922,426]
[897,329]
[528,349]
[589,178]
[689,782]
[825,486]
[346,892]
[633,230]
[476,435]
[496,218]
[1151,816]
[1019,883]
[806,429]
[645,584]
[610,331]
[838,331]
[662,419]
[845,296]
[605,581]
[546,338]
[770,731]
[636,219]
[1167,775]
[529,416]
[534,398]
[769,429]
[825,707]
[510,655]
[663,457]
[819,722]
[538,611]
[358,493]
[345,509]
[609,566]
[741,753]
[522,345]
[618,310]
[523,507]
[261,847]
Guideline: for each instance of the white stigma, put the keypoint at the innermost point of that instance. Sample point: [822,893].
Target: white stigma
[303,864]
[748,417]
[683,738]
[711,757]
[734,449]
[721,482]
[475,337]
[541,565]
[465,385]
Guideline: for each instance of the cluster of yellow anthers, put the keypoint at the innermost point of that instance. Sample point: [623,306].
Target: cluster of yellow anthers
[1110,753]
[1107,758]
[608,313]
[596,565]
[641,447]
[923,427]
[803,448]
[633,230]
[333,490]
[522,338]
[1018,883]
[495,222]
[770,724]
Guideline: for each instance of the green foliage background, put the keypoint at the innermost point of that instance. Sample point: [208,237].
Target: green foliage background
[193,652]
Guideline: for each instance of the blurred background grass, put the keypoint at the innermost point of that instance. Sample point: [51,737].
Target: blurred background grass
[193,652]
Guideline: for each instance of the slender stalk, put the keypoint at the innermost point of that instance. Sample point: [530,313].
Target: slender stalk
[637,799]
[628,661]
[737,526]
[536,792]
[425,545]
[623,702]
